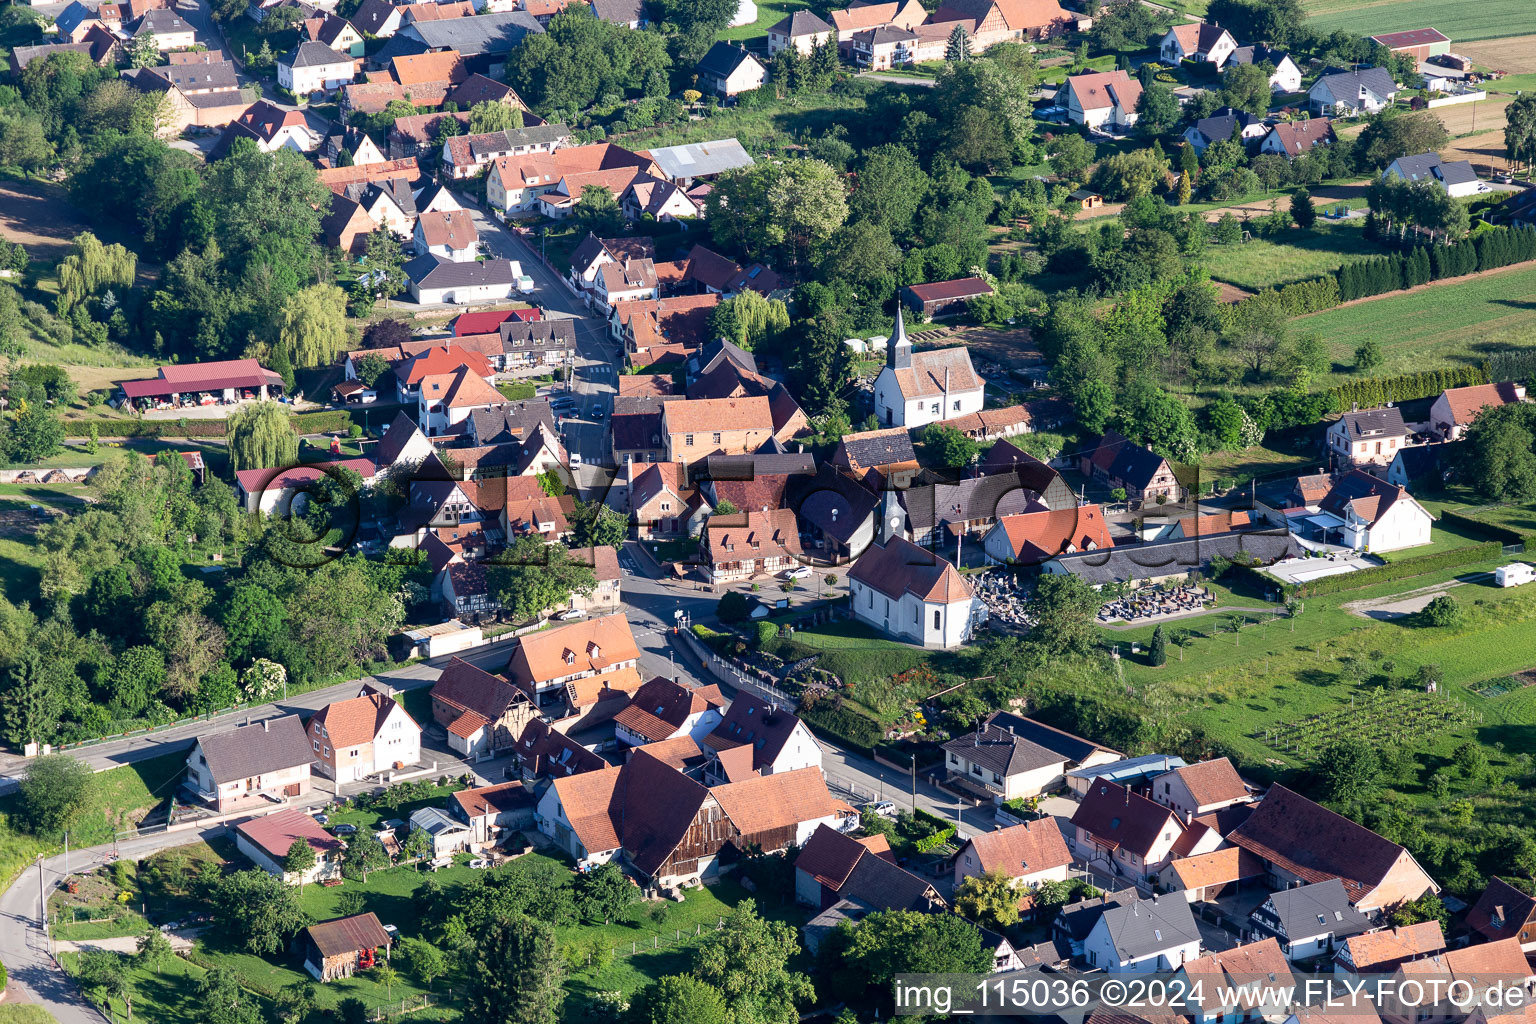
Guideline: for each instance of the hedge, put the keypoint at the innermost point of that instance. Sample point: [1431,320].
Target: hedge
[844,726]
[156,428]
[327,422]
[934,841]
[1486,530]
[1408,567]
[1374,392]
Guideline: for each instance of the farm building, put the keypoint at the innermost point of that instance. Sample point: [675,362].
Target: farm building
[1418,43]
[340,948]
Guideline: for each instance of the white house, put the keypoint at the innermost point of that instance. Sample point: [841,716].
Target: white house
[448,834]
[1008,757]
[265,841]
[662,710]
[367,735]
[1197,789]
[1350,93]
[450,234]
[1142,936]
[314,67]
[801,30]
[434,280]
[169,30]
[911,593]
[1367,513]
[1456,177]
[1367,437]
[780,741]
[1029,855]
[1197,41]
[1309,920]
[1124,833]
[625,281]
[918,388]
[574,813]
[729,70]
[447,400]
[269,760]
[1102,98]
[1456,408]
[1286,76]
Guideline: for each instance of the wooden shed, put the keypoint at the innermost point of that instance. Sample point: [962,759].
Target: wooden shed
[340,948]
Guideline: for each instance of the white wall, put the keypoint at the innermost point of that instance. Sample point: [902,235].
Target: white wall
[920,412]
[800,751]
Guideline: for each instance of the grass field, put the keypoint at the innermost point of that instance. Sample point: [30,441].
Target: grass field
[1456,323]
[24,1013]
[1490,19]
[1295,255]
[769,13]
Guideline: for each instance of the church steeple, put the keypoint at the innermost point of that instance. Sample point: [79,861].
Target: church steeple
[898,350]
[893,518]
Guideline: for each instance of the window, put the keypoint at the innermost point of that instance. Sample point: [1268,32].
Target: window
[715,437]
[937,622]
[687,440]
[935,408]
[957,405]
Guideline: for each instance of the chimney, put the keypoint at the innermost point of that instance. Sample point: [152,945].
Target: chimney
[266,725]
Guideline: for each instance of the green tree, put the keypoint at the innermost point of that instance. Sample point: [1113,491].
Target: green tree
[154,950]
[1158,653]
[53,793]
[949,446]
[1501,453]
[959,46]
[1428,907]
[91,267]
[749,319]
[417,847]
[606,894]
[518,974]
[891,189]
[1443,611]
[1063,609]
[892,942]
[425,960]
[299,859]
[1391,134]
[984,114]
[1302,211]
[261,436]
[364,853]
[679,999]
[1071,155]
[372,367]
[1520,129]
[257,909]
[104,972]
[598,211]
[314,325]
[265,209]
[747,960]
[531,577]
[990,900]
[1347,769]
[1157,109]
[594,524]
[142,51]
[383,265]
[800,203]
[492,116]
[1246,87]
[1368,355]
[222,999]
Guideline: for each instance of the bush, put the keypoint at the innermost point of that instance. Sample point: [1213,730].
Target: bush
[1408,567]
[1442,611]
[767,632]
[1485,530]
[328,422]
[733,607]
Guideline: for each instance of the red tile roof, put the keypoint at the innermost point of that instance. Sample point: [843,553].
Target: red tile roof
[1120,819]
[275,833]
[960,288]
[1021,850]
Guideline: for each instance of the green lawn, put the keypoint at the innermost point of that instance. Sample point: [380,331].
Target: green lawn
[166,996]
[768,128]
[129,922]
[1489,19]
[1456,324]
[1230,469]
[517,390]
[1058,74]
[1294,255]
[25,1013]
[769,14]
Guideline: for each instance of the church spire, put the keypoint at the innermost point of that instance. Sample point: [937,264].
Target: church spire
[898,350]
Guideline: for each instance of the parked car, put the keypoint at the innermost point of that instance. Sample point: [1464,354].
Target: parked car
[799,572]
[884,808]
[323,819]
[1503,178]
[575,459]
[574,613]
[345,829]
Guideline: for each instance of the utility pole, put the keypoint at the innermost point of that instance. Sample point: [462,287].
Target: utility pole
[914,783]
[42,897]
[66,853]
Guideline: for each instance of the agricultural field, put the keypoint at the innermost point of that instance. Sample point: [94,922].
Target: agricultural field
[1516,54]
[1455,323]
[1293,256]
[1490,19]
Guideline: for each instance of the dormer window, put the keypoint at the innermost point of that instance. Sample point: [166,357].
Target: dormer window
[570,657]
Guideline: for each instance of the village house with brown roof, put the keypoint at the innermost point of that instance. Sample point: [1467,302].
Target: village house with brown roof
[1503,912]
[1456,408]
[1381,952]
[1101,98]
[1197,41]
[662,710]
[578,662]
[744,545]
[1029,538]
[945,298]
[483,714]
[759,738]
[493,812]
[1366,513]
[850,21]
[1118,462]
[1203,788]
[1291,139]
[1204,877]
[1301,841]
[918,388]
[828,859]
[341,947]
[694,429]
[1238,984]
[661,504]
[266,840]
[1124,833]
[1473,966]
[367,735]
[1028,855]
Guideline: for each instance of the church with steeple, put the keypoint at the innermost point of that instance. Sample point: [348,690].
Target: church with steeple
[915,389]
